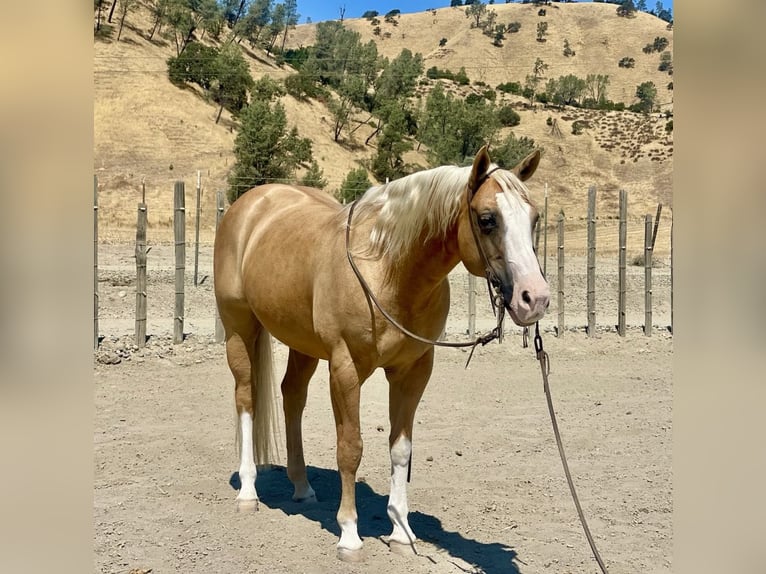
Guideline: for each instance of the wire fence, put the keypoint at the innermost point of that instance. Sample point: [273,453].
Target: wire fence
[169,268]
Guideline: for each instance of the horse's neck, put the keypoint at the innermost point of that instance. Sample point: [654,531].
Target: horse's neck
[424,266]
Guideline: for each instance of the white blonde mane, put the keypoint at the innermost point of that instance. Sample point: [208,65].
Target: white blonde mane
[424,202]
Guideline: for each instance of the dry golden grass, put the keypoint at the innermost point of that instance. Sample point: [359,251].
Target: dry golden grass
[144,124]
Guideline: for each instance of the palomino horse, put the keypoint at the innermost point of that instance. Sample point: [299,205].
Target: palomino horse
[281,268]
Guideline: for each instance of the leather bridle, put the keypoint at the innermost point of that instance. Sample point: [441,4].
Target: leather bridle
[497,299]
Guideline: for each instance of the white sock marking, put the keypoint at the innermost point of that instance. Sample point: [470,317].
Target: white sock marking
[247,470]
[397,498]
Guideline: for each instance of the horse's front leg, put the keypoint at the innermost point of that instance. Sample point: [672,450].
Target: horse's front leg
[345,384]
[406,386]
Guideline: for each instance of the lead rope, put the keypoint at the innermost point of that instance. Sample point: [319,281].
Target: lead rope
[545,368]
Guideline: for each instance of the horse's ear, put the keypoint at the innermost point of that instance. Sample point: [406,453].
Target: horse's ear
[480,166]
[527,166]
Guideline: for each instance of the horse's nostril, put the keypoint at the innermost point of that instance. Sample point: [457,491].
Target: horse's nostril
[525,297]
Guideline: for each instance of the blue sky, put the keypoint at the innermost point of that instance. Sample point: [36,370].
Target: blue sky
[319,10]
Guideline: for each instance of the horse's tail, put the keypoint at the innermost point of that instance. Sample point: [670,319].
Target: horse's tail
[265,420]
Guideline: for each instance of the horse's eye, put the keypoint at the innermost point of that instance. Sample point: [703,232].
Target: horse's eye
[487,222]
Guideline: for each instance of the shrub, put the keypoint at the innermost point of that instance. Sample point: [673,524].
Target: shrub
[513,27]
[669,126]
[578,126]
[462,78]
[666,63]
[301,87]
[510,88]
[660,44]
[370,14]
[442,42]
[508,116]
[627,62]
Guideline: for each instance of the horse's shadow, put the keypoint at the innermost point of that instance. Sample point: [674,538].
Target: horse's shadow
[275,491]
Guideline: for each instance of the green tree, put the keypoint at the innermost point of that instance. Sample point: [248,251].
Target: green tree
[265,88]
[568,51]
[392,144]
[196,64]
[350,91]
[476,11]
[354,185]
[182,20]
[277,25]
[542,31]
[626,9]
[232,80]
[647,97]
[158,9]
[314,176]
[265,151]
[454,129]
[566,90]
[251,25]
[512,150]
[210,17]
[125,7]
[291,19]
[595,88]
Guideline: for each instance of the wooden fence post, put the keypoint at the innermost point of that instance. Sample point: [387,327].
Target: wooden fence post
[648,276]
[219,331]
[196,229]
[95,262]
[656,224]
[591,289]
[179,230]
[561,325]
[141,276]
[471,305]
[623,255]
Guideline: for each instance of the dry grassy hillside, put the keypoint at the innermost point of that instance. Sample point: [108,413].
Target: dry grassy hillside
[598,36]
[147,128]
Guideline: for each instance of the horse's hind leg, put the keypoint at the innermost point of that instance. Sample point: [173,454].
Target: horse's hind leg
[406,387]
[241,335]
[295,385]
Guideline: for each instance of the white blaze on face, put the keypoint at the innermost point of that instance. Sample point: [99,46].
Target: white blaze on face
[517,237]
[531,293]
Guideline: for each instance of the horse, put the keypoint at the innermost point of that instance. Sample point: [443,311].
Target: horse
[281,269]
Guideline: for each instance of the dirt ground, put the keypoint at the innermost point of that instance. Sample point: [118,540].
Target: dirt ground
[488,493]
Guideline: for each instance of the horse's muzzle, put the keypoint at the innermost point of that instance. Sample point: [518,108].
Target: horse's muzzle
[527,300]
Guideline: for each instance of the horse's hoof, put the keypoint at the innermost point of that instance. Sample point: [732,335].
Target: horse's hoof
[247,505]
[351,556]
[402,548]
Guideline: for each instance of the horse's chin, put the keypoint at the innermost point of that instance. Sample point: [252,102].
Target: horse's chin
[518,321]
